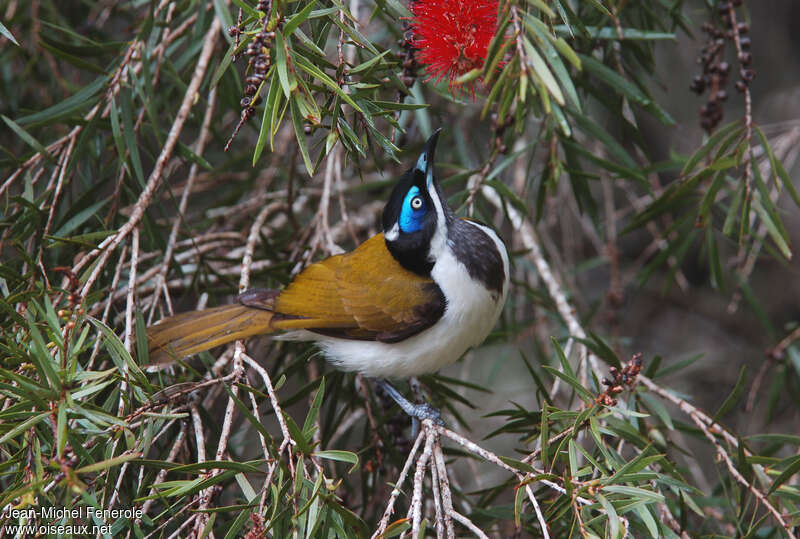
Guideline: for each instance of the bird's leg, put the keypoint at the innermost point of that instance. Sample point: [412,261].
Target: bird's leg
[416,388]
[418,412]
[258,298]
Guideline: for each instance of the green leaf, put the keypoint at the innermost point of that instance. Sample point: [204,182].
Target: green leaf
[711,194]
[207,465]
[551,48]
[601,349]
[507,194]
[774,229]
[641,461]
[792,468]
[313,70]
[572,381]
[635,492]
[266,120]
[544,8]
[313,412]
[519,465]
[303,445]
[497,50]
[79,218]
[776,438]
[298,18]
[368,64]
[341,456]
[41,358]
[544,437]
[649,521]
[632,173]
[607,32]
[519,499]
[130,136]
[120,355]
[248,9]
[777,167]
[300,135]
[90,389]
[397,527]
[69,105]
[567,52]
[743,464]
[108,463]
[615,148]
[224,15]
[562,358]
[573,459]
[282,62]
[613,519]
[733,128]
[61,429]
[615,80]
[678,365]
[734,396]
[539,67]
[355,35]
[392,105]
[25,136]
[223,66]
[77,61]
[602,9]
[5,32]
[654,405]
[22,427]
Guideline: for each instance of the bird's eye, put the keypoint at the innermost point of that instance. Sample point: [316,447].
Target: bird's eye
[416,203]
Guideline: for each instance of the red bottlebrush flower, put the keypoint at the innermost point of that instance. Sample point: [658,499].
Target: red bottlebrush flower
[452,36]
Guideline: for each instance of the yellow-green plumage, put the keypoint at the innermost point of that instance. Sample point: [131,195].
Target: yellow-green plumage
[189,333]
[365,294]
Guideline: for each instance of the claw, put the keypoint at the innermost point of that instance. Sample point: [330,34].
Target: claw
[426,411]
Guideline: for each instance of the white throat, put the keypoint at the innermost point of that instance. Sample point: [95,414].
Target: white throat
[438,243]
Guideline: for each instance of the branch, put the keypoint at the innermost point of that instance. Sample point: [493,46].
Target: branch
[108,245]
[709,428]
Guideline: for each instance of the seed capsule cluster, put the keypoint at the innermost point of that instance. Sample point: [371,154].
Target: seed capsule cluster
[258,51]
[258,65]
[408,57]
[716,70]
[620,379]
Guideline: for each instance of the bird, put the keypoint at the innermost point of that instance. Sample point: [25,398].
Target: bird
[408,301]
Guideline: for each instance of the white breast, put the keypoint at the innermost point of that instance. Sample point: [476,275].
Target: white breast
[470,315]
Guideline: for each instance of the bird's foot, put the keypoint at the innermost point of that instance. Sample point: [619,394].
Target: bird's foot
[425,411]
[418,412]
[422,412]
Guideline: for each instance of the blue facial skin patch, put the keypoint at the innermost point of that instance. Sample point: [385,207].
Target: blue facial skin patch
[411,219]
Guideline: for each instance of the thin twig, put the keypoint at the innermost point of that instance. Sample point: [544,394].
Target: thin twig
[415,510]
[706,424]
[441,479]
[108,245]
[531,243]
[202,140]
[384,522]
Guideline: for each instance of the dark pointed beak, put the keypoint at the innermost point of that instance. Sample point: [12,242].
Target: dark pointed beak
[425,161]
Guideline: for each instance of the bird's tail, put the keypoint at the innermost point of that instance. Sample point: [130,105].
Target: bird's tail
[189,333]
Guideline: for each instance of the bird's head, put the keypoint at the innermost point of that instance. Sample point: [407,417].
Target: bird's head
[416,217]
